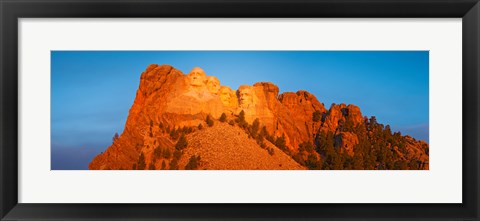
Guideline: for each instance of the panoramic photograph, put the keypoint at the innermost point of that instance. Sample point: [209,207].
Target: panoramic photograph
[239,110]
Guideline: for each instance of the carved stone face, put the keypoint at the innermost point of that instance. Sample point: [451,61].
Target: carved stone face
[197,77]
[213,84]
[246,96]
[227,96]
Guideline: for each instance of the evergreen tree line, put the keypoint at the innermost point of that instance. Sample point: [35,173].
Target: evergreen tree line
[253,130]
[165,153]
[374,151]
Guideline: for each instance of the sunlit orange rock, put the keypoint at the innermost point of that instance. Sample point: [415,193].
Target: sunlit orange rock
[168,100]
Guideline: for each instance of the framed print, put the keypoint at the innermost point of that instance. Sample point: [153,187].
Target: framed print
[239,110]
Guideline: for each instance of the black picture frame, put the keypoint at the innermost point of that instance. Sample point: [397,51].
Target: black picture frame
[12,10]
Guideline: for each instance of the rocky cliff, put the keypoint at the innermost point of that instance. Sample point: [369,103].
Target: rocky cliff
[191,121]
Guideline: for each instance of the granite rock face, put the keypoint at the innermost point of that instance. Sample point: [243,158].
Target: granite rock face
[168,100]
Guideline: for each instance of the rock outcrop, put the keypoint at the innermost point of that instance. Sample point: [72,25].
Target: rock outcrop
[168,101]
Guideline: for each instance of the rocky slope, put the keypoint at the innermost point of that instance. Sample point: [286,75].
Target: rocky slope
[299,131]
[234,150]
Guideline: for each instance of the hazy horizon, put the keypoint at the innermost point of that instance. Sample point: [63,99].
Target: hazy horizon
[92,91]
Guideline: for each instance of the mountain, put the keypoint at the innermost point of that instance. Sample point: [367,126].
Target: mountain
[180,121]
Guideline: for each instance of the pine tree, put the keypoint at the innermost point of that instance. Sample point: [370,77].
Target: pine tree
[174,133]
[157,153]
[151,166]
[223,118]
[173,164]
[280,142]
[177,154]
[115,137]
[400,165]
[306,146]
[167,153]
[357,162]
[414,165]
[264,131]
[271,151]
[209,121]
[317,116]
[255,127]
[193,163]
[181,143]
[313,162]
[141,162]
[241,119]
[164,165]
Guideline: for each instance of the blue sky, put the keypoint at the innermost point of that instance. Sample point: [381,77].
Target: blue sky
[92,91]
